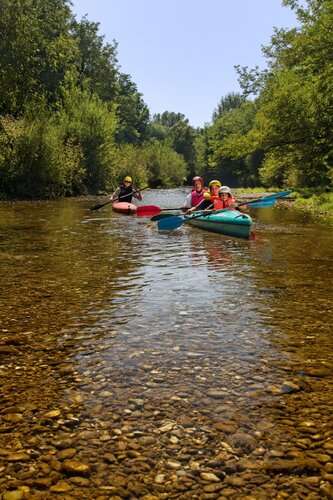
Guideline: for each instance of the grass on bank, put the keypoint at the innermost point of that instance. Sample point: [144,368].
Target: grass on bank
[322,202]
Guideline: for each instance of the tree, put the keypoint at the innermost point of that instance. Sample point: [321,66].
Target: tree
[86,120]
[166,168]
[97,61]
[292,129]
[225,156]
[132,113]
[36,51]
[228,103]
[174,129]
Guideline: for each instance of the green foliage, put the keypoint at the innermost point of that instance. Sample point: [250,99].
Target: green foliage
[168,119]
[36,50]
[130,160]
[35,162]
[174,130]
[320,201]
[166,167]
[157,131]
[85,120]
[225,138]
[201,146]
[228,103]
[71,122]
[97,62]
[153,163]
[132,113]
[290,138]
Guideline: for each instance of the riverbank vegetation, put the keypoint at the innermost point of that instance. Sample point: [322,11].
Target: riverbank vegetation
[322,202]
[72,123]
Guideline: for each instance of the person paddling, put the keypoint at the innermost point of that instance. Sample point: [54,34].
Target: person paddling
[197,193]
[209,197]
[125,192]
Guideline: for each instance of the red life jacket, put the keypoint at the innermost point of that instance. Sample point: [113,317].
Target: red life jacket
[216,202]
[227,203]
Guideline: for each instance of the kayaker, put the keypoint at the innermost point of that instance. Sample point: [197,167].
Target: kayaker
[197,193]
[210,197]
[226,200]
[125,192]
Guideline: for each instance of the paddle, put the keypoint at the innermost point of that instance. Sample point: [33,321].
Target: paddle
[148,210]
[276,195]
[254,204]
[157,217]
[97,207]
[176,221]
[265,201]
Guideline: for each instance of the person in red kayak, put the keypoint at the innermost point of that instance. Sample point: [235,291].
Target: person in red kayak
[125,192]
[197,193]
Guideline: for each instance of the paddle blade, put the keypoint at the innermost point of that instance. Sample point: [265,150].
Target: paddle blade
[170,223]
[277,195]
[147,210]
[157,217]
[266,201]
[262,204]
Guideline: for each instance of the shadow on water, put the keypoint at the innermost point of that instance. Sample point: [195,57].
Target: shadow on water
[110,320]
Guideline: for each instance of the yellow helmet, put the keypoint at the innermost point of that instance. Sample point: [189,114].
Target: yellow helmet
[128,179]
[217,183]
[207,195]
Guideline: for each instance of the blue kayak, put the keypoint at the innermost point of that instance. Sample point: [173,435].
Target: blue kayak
[228,222]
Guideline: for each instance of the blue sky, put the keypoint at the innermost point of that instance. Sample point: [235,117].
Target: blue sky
[181,53]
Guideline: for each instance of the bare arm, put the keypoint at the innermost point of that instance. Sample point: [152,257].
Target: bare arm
[115,195]
[137,194]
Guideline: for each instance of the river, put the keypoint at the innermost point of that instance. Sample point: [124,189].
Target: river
[137,363]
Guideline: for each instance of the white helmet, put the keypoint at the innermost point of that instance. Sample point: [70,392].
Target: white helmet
[224,189]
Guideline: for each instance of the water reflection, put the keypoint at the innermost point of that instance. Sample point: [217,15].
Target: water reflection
[97,268]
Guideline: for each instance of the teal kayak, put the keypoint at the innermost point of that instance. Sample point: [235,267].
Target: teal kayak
[228,222]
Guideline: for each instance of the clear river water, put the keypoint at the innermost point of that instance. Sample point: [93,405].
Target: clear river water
[137,363]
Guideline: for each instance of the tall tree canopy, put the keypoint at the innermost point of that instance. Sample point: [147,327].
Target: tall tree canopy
[36,51]
[293,126]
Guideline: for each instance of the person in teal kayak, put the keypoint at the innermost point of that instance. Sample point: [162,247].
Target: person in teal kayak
[226,199]
[208,197]
[125,192]
[197,193]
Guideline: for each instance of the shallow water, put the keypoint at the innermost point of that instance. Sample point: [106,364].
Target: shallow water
[167,317]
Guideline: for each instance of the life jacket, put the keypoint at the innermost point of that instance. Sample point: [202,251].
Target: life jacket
[226,203]
[126,194]
[196,198]
[216,202]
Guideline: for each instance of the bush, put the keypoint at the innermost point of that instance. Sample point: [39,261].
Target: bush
[35,162]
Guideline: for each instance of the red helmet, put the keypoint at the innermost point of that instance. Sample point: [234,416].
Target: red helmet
[197,178]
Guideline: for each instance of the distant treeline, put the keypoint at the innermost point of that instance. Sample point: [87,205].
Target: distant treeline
[72,123]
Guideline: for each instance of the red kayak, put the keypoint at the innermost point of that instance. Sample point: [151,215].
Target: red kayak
[123,207]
